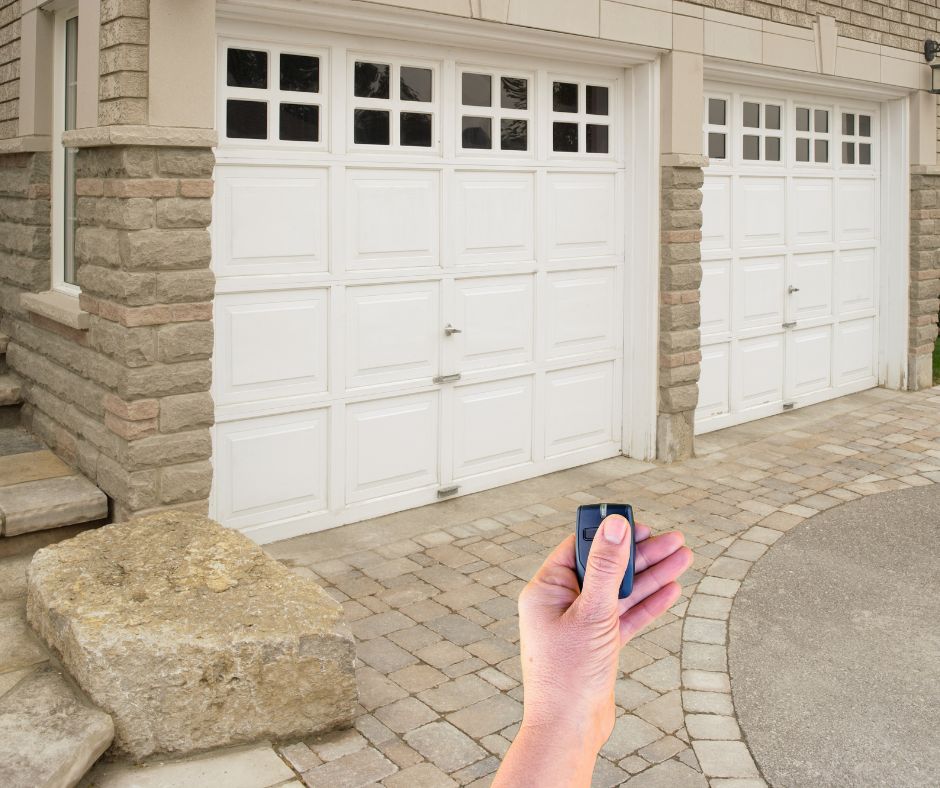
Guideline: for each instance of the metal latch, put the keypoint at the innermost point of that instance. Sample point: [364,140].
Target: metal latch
[446,378]
[446,492]
[449,329]
[788,405]
[792,289]
[789,325]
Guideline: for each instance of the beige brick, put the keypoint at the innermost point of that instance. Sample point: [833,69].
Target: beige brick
[184,342]
[186,412]
[142,409]
[183,212]
[187,482]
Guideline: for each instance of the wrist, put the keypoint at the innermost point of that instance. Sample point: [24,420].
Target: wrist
[568,731]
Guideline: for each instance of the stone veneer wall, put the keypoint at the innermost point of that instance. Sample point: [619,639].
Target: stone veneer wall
[680,353]
[127,400]
[123,64]
[925,273]
[9,67]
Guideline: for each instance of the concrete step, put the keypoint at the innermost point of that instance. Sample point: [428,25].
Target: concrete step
[50,503]
[10,391]
[49,734]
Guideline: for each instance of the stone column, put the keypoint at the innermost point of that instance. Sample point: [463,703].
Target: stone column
[925,274]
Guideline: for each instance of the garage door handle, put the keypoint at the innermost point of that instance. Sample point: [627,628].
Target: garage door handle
[446,378]
[792,289]
[449,329]
[789,325]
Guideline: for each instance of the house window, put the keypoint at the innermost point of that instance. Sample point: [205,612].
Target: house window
[580,117]
[64,119]
[495,111]
[273,95]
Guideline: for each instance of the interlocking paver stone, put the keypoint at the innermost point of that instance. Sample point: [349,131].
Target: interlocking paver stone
[630,733]
[445,746]
[457,694]
[662,675]
[351,771]
[725,759]
[405,714]
[670,774]
[487,716]
[421,775]
[712,726]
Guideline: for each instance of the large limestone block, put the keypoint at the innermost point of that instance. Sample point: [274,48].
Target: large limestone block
[191,637]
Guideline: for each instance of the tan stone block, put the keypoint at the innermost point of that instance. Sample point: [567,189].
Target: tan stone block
[196,188]
[184,286]
[161,450]
[123,57]
[678,399]
[186,163]
[141,409]
[124,111]
[166,249]
[133,347]
[184,342]
[136,490]
[162,381]
[140,187]
[130,430]
[122,84]
[188,482]
[133,214]
[125,30]
[183,212]
[186,412]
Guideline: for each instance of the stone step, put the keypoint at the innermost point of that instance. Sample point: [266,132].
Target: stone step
[49,734]
[10,391]
[50,503]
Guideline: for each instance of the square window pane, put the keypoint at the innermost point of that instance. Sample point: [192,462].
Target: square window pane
[716,145]
[300,73]
[246,120]
[415,84]
[597,99]
[864,153]
[821,151]
[371,80]
[564,97]
[300,122]
[514,134]
[848,153]
[848,124]
[751,150]
[415,128]
[772,148]
[751,115]
[771,116]
[802,148]
[477,132]
[717,112]
[802,119]
[565,137]
[821,120]
[370,127]
[596,138]
[515,93]
[477,90]
[247,68]
[864,125]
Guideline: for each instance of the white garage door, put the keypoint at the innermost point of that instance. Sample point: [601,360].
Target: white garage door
[789,254]
[418,255]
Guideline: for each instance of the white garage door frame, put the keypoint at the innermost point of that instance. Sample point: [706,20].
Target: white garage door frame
[893,195]
[637,383]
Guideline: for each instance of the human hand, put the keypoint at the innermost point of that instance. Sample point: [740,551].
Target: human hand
[570,643]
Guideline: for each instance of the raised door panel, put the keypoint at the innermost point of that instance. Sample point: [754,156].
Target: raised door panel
[759,371]
[494,215]
[716,213]
[759,293]
[812,210]
[760,205]
[271,345]
[582,215]
[393,219]
[275,222]
[857,220]
[811,274]
[492,426]
[579,311]
[496,318]
[713,386]
[809,360]
[856,282]
[391,446]
[272,468]
[578,408]
[855,350]
[392,333]
[716,297]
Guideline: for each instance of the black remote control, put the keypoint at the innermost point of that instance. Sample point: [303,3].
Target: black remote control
[589,520]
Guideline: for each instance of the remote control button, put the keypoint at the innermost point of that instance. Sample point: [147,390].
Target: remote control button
[589,533]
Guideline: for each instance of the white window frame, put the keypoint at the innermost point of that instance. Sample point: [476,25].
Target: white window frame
[59,152]
[496,112]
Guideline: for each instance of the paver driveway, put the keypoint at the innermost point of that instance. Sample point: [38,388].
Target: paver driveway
[431,597]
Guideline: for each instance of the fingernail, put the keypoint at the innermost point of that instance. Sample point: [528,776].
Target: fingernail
[615,529]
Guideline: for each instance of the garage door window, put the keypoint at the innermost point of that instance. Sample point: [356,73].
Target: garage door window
[494,113]
[716,128]
[856,139]
[272,96]
[760,140]
[579,117]
[393,104]
[812,135]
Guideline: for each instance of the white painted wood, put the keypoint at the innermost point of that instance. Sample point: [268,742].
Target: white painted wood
[791,252]
[346,294]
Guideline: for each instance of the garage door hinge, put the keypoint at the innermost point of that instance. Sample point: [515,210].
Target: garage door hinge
[446,378]
[788,405]
[446,492]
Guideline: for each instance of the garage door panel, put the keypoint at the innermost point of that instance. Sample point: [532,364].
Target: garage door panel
[272,467]
[759,372]
[271,345]
[279,222]
[495,217]
[492,426]
[812,210]
[716,213]
[578,405]
[716,297]
[393,219]
[581,220]
[391,446]
[761,209]
[714,396]
[759,297]
[809,361]
[856,282]
[855,345]
[857,219]
[811,275]
[392,333]
[496,318]
[579,311]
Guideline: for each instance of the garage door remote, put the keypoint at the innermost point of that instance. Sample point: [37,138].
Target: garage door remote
[589,520]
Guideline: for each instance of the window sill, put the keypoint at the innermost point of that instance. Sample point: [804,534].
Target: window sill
[57,307]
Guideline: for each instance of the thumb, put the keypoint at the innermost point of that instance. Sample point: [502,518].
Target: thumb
[607,561]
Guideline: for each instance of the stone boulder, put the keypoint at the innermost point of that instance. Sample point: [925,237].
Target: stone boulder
[191,637]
